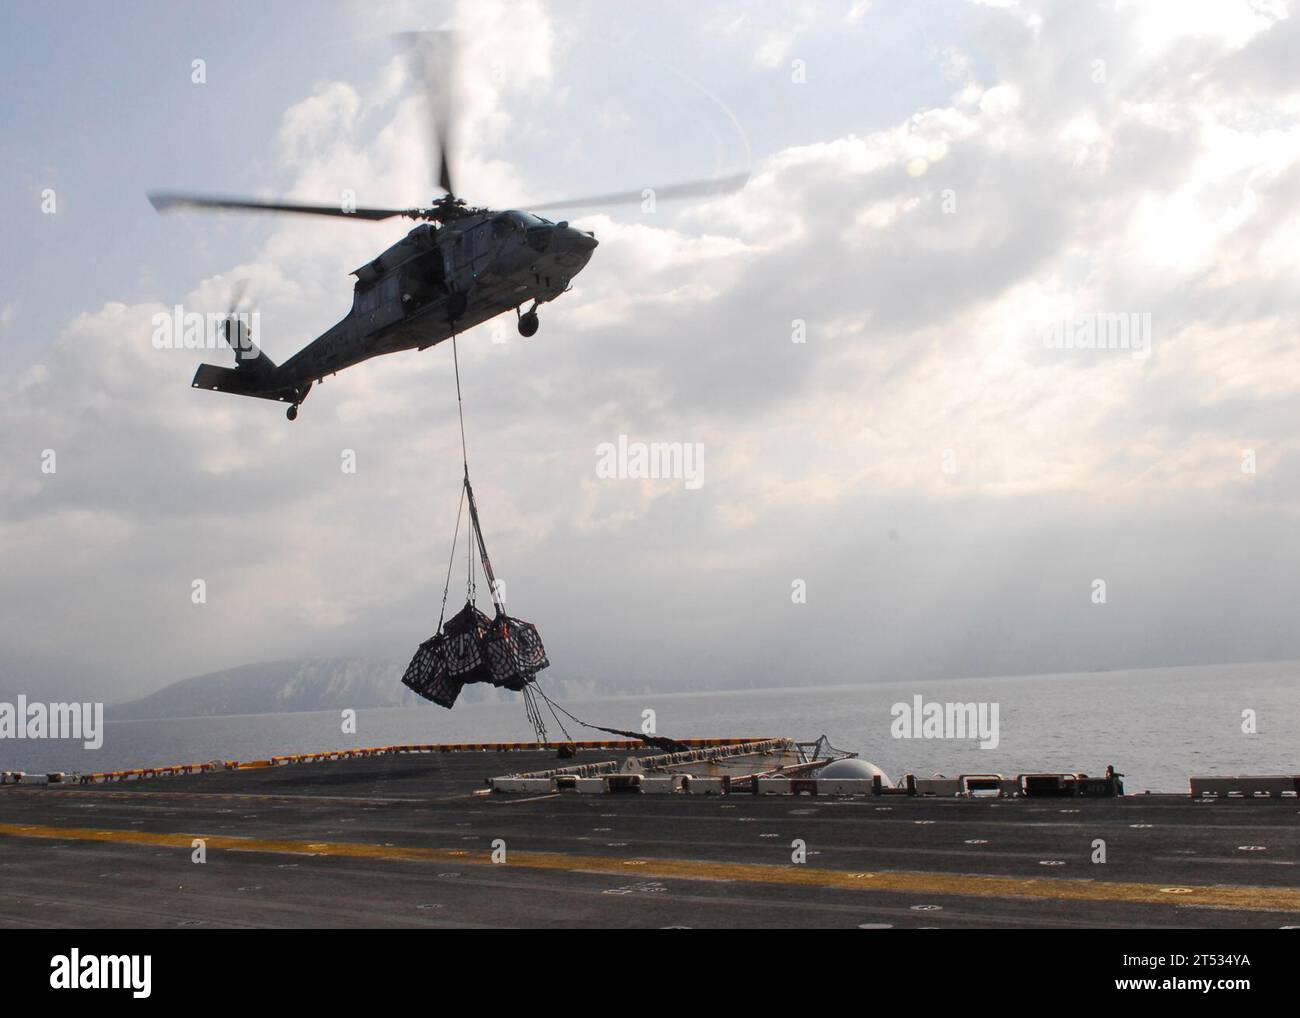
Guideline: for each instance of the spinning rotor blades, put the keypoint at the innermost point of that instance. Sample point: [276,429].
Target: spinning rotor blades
[431,63]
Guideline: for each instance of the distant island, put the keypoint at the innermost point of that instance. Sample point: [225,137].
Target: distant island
[276,687]
[283,687]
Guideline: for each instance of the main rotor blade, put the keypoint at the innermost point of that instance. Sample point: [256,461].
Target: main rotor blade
[444,171]
[166,201]
[690,189]
[431,59]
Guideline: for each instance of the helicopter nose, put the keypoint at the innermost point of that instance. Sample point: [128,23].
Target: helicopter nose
[572,246]
[576,240]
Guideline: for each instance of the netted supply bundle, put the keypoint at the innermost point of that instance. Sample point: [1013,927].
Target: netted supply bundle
[470,647]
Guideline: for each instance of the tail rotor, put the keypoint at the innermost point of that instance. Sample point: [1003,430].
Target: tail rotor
[238,335]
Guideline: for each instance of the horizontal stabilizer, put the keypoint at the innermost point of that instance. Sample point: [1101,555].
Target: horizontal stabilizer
[243,382]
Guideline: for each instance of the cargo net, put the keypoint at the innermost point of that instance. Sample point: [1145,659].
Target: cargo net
[470,647]
[505,651]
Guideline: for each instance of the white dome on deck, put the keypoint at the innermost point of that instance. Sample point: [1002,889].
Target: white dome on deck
[853,767]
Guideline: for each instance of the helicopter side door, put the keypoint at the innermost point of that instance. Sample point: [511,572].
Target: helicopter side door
[379,304]
[471,255]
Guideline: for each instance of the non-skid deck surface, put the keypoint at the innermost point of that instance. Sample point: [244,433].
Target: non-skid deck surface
[403,840]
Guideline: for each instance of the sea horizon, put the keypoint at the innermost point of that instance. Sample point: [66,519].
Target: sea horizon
[1156,725]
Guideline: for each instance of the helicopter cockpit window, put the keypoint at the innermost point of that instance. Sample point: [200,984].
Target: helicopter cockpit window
[524,220]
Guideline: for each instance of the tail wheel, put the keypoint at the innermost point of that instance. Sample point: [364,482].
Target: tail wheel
[292,412]
[528,324]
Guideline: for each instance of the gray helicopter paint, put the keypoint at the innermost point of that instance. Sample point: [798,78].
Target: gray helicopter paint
[430,285]
[493,276]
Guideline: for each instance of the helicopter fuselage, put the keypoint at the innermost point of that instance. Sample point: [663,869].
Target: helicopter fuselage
[434,283]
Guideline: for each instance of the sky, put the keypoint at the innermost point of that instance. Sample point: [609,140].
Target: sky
[906,472]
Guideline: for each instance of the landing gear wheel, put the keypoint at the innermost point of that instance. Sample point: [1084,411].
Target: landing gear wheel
[528,324]
[292,412]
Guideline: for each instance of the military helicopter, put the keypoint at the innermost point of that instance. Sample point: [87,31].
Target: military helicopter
[462,265]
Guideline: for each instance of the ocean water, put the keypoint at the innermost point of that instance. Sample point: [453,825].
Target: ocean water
[1157,726]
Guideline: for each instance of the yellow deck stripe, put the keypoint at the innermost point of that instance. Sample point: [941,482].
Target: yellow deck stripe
[984,886]
[163,798]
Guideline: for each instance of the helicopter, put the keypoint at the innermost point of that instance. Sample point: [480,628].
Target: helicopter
[461,266]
